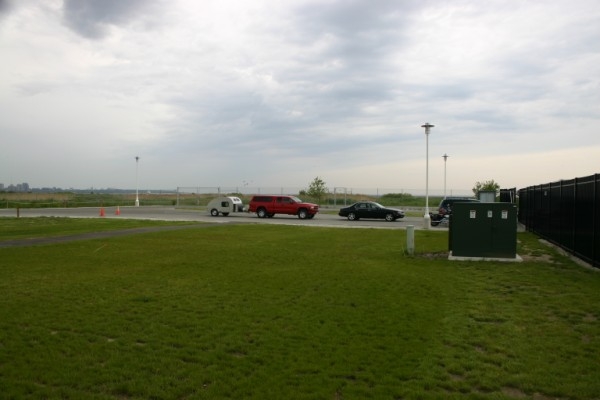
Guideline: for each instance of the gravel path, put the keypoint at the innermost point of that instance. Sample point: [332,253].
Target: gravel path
[96,235]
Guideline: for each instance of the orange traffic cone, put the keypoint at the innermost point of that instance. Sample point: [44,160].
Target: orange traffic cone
[118,212]
[102,211]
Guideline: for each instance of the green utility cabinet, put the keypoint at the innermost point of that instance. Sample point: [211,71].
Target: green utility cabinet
[487,230]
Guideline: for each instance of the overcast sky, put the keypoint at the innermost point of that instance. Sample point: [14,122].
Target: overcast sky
[269,93]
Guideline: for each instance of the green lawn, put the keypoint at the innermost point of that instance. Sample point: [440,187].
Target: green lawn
[281,312]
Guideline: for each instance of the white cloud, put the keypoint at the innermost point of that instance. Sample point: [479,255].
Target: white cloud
[280,92]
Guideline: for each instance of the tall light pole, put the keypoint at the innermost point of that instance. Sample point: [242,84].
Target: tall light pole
[445,159]
[137,199]
[426,217]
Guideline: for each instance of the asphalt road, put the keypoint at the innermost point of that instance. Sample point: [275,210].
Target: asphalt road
[323,219]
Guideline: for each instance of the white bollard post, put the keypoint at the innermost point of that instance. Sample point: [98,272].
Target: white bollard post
[410,239]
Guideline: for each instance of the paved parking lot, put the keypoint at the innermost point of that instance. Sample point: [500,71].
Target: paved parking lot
[326,218]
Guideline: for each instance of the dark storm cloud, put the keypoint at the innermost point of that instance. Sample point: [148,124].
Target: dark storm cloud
[354,62]
[354,19]
[5,6]
[339,65]
[91,18]
[364,34]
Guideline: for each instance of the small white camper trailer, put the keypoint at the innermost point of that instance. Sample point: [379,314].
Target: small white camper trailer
[225,205]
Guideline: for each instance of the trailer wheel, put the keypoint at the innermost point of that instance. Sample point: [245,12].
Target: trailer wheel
[214,212]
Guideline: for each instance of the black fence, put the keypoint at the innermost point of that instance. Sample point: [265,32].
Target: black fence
[566,213]
[508,195]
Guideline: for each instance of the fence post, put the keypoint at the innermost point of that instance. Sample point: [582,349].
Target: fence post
[410,239]
[573,215]
[596,227]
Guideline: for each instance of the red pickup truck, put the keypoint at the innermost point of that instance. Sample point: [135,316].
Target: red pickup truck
[267,206]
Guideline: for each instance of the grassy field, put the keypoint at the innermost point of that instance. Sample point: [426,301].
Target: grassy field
[280,312]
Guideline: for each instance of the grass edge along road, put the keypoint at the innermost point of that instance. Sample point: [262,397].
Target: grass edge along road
[269,312]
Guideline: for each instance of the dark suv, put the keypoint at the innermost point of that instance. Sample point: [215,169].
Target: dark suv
[268,206]
[445,208]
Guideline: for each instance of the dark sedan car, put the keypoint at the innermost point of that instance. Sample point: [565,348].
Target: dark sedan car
[370,209]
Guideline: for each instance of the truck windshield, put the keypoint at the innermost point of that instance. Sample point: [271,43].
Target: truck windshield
[297,200]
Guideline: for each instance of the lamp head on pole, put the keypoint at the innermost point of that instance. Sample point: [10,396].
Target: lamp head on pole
[445,156]
[427,126]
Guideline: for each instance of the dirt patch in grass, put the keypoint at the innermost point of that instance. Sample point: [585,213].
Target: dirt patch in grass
[435,256]
[514,393]
[545,258]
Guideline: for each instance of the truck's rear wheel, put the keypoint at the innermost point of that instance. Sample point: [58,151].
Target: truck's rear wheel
[261,212]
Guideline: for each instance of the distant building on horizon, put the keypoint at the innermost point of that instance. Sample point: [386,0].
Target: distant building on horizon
[20,187]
